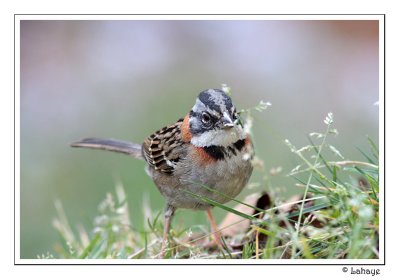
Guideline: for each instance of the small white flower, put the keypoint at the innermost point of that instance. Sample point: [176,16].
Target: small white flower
[263,105]
[290,145]
[275,170]
[335,151]
[295,169]
[226,89]
[115,228]
[305,148]
[316,134]
[329,119]
[120,210]
[334,131]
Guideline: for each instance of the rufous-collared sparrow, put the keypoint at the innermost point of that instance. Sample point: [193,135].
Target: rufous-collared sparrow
[205,154]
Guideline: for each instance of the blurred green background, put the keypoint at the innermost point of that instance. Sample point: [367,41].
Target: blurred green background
[126,79]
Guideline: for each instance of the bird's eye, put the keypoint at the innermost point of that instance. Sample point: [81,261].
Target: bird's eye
[205,118]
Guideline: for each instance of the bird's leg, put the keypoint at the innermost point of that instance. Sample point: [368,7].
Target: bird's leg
[214,229]
[168,214]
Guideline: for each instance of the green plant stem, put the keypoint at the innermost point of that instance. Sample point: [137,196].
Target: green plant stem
[296,236]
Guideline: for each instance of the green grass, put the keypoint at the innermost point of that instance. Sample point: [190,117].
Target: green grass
[336,217]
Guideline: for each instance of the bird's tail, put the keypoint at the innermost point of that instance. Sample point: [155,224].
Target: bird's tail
[112,145]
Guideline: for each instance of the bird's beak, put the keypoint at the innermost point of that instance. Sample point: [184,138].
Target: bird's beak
[227,121]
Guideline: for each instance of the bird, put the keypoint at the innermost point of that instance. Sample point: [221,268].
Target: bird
[207,154]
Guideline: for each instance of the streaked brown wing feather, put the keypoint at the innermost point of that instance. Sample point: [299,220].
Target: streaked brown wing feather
[159,148]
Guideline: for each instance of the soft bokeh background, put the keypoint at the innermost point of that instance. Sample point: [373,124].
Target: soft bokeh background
[126,79]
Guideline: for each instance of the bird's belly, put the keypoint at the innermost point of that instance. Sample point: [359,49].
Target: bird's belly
[219,182]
